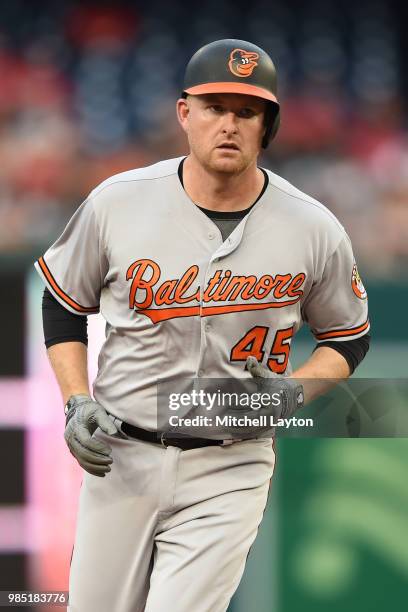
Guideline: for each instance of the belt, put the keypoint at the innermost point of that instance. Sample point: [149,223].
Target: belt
[183,442]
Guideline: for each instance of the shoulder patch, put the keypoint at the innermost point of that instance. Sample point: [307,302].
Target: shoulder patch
[357,284]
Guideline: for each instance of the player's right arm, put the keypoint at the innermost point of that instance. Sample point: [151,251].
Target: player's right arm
[74,270]
[69,363]
[84,415]
[66,339]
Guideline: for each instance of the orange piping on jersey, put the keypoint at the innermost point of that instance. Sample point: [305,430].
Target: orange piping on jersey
[342,333]
[164,314]
[45,270]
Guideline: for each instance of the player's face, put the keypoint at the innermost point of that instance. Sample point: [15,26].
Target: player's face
[224,130]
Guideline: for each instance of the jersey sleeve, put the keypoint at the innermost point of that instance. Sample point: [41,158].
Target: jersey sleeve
[75,266]
[336,308]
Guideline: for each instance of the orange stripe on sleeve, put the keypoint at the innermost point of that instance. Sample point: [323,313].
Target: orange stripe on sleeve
[69,301]
[343,333]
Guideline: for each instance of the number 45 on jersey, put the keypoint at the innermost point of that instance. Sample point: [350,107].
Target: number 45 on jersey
[253,343]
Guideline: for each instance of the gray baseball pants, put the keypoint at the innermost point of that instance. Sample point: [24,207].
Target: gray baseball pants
[168,529]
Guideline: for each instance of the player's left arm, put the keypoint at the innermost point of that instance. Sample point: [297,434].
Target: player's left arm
[337,313]
[320,372]
[328,363]
[324,362]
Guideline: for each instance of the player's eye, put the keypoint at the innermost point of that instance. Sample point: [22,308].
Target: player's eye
[217,108]
[246,113]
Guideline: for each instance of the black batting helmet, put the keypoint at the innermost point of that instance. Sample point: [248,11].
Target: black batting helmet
[235,66]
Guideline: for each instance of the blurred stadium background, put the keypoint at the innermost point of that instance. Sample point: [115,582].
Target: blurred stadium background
[88,90]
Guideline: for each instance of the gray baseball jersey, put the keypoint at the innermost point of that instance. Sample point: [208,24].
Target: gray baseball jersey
[180,302]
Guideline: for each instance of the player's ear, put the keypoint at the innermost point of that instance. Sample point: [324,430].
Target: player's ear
[182,109]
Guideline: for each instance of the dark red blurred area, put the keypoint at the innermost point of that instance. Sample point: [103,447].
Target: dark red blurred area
[88,89]
[92,24]
[24,85]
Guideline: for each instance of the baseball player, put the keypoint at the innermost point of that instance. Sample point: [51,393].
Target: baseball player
[199,265]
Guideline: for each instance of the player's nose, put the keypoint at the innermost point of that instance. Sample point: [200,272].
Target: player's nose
[230,123]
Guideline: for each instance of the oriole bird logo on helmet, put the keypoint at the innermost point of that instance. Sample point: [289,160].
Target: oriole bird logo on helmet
[242,63]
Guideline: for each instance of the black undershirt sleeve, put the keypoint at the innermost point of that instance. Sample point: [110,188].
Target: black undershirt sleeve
[353,351]
[59,324]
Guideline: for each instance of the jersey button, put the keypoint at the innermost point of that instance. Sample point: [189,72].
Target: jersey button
[200,372]
[207,327]
[211,236]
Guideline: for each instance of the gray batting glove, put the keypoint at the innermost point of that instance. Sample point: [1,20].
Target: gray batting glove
[291,392]
[83,418]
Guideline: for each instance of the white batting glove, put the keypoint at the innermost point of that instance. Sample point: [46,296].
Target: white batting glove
[84,416]
[292,395]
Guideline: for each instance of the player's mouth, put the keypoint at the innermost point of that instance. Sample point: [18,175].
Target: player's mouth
[228,146]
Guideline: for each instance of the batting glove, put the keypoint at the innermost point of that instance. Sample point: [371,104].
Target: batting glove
[291,392]
[83,418]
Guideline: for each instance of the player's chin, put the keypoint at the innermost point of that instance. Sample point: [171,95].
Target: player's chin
[228,163]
